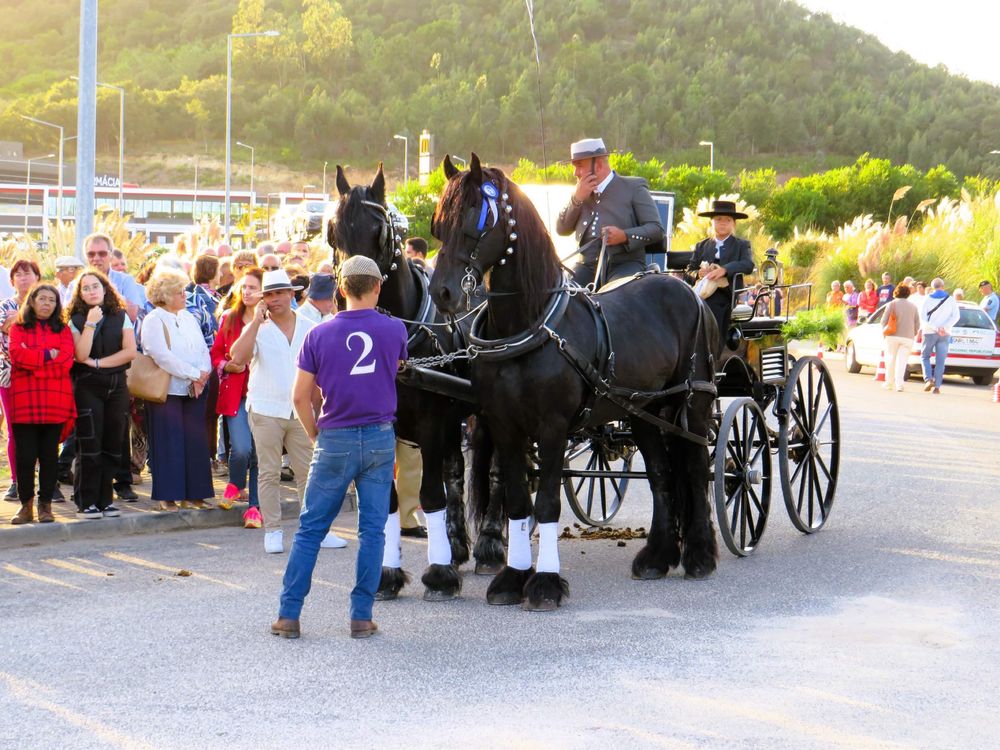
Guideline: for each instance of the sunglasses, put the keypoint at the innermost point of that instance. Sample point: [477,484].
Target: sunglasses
[97,254]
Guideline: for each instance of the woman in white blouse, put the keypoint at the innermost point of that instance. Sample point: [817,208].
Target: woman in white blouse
[178,446]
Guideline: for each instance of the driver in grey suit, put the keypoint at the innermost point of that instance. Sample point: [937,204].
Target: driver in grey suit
[608,204]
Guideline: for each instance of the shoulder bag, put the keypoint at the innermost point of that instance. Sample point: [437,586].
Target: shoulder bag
[146,379]
[889,329]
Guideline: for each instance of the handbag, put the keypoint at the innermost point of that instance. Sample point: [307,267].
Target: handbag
[146,379]
[889,329]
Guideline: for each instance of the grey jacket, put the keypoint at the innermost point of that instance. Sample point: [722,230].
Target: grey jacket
[626,204]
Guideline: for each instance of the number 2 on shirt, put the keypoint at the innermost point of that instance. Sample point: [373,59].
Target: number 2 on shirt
[362,369]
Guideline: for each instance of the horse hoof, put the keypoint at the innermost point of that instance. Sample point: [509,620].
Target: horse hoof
[544,592]
[507,587]
[648,574]
[438,596]
[488,569]
[698,573]
[393,579]
[504,598]
[442,583]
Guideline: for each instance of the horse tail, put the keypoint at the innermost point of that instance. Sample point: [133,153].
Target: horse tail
[482,461]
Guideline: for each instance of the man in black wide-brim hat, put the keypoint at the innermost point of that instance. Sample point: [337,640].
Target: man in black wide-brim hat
[730,257]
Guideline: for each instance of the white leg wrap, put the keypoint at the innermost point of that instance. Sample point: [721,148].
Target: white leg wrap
[438,546]
[518,545]
[548,548]
[391,555]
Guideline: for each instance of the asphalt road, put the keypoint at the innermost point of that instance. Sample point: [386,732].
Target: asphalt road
[880,631]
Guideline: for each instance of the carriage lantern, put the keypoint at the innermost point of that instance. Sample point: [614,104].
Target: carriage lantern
[771,269]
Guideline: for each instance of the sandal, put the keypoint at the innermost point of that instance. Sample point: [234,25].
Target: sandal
[168,505]
[201,505]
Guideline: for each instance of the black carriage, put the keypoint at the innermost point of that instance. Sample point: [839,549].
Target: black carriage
[776,418]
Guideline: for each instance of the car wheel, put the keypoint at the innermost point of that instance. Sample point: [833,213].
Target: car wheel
[982,379]
[851,359]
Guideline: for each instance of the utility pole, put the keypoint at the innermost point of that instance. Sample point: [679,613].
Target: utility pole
[86,123]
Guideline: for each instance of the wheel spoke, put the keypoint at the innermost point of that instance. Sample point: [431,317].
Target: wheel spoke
[605,466]
[802,486]
[820,498]
[756,500]
[749,430]
[822,421]
[736,511]
[822,465]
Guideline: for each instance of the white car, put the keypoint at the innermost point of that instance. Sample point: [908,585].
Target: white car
[974,349]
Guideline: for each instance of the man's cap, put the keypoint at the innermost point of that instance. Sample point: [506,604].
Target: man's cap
[275,281]
[587,148]
[359,265]
[724,208]
[321,287]
[68,261]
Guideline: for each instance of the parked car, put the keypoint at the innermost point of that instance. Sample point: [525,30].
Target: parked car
[307,221]
[974,350]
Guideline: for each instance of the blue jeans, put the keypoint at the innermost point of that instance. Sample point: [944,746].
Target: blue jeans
[242,453]
[939,345]
[364,455]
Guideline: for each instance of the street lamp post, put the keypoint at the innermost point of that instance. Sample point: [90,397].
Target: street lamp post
[121,141]
[27,192]
[252,227]
[406,157]
[465,164]
[711,154]
[324,178]
[229,112]
[62,141]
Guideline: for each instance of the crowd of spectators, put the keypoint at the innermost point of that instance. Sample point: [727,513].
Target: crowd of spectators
[215,322]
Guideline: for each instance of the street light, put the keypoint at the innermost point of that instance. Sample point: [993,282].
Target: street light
[406,157]
[121,141]
[62,141]
[465,164]
[240,143]
[995,151]
[711,154]
[229,110]
[27,192]
[324,178]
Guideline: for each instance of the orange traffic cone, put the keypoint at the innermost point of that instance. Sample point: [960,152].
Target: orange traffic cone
[996,392]
[819,351]
[880,370]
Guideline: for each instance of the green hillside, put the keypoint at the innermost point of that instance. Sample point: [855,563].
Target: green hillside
[764,79]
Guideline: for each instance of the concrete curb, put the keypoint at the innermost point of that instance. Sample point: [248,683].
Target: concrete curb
[130,524]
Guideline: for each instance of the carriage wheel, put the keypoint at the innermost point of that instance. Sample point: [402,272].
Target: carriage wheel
[592,478]
[742,485]
[809,444]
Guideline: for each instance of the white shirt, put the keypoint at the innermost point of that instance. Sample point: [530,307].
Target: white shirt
[186,358]
[603,184]
[309,312]
[65,293]
[945,315]
[273,368]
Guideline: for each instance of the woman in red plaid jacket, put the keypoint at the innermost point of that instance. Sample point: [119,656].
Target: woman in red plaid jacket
[41,354]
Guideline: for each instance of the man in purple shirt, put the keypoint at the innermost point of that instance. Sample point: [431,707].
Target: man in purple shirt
[352,362]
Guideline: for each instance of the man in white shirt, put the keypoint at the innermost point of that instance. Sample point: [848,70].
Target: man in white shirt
[318,305]
[68,267]
[270,345]
[937,316]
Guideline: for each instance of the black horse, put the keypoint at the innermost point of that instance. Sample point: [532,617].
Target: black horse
[662,343]
[362,226]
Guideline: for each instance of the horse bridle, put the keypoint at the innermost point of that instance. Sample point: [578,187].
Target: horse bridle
[390,243]
[492,203]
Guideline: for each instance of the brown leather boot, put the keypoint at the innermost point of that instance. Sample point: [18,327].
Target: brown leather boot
[25,515]
[45,512]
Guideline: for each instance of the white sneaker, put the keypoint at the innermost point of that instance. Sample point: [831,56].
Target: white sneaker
[332,541]
[274,542]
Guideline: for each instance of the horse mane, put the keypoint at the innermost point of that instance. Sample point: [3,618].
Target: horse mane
[535,264]
[349,235]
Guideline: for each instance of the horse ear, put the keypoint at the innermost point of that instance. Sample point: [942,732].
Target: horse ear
[476,168]
[343,186]
[450,170]
[378,185]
